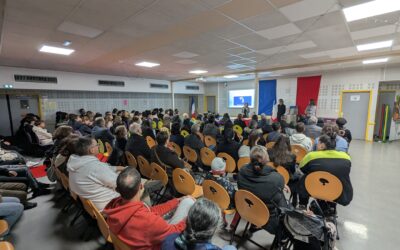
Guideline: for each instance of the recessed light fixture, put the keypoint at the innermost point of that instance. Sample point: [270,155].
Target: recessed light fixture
[147,64]
[56,50]
[369,9]
[198,71]
[378,60]
[231,76]
[378,45]
[67,43]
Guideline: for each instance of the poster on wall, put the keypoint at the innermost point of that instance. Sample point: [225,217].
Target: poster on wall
[396,110]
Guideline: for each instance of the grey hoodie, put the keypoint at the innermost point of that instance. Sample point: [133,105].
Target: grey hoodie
[302,140]
[92,179]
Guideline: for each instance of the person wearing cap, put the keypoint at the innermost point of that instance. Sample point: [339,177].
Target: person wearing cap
[343,132]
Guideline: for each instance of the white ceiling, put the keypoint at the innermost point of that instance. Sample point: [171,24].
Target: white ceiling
[221,36]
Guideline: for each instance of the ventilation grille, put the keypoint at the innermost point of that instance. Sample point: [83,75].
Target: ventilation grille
[38,79]
[191,87]
[158,86]
[111,83]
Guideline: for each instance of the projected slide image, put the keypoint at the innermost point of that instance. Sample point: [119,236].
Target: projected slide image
[237,98]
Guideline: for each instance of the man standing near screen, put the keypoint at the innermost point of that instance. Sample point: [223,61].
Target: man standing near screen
[246,110]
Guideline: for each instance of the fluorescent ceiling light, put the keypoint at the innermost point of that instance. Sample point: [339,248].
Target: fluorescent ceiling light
[378,45]
[369,9]
[231,76]
[379,60]
[147,64]
[56,50]
[198,71]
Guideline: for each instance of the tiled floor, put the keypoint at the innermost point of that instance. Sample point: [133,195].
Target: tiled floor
[371,221]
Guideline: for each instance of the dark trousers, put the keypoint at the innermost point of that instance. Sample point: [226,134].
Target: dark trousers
[23,175]
[14,189]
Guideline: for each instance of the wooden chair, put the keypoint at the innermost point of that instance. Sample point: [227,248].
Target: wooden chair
[144,166]
[206,156]
[176,148]
[299,151]
[251,209]
[88,206]
[153,125]
[245,142]
[101,223]
[109,149]
[118,244]
[190,154]
[265,136]
[238,129]
[3,227]
[201,137]
[101,146]
[209,140]
[150,141]
[312,141]
[184,133]
[218,194]
[230,162]
[242,162]
[270,145]
[185,184]
[160,125]
[158,173]
[285,174]
[131,159]
[4,245]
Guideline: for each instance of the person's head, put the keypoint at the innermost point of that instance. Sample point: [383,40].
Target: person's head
[312,102]
[202,222]
[185,116]
[136,119]
[62,132]
[40,123]
[82,112]
[218,166]
[211,119]
[226,117]
[254,117]
[135,128]
[276,126]
[86,120]
[292,125]
[254,136]
[121,132]
[114,111]
[330,130]
[312,120]
[253,124]
[240,116]
[258,157]
[263,117]
[175,128]
[85,146]
[97,115]
[146,124]
[67,145]
[129,184]
[327,142]
[246,104]
[229,135]
[280,101]
[282,150]
[195,129]
[300,128]
[340,122]
[162,138]
[100,122]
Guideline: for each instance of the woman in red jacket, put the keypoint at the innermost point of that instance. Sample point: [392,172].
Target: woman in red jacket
[138,225]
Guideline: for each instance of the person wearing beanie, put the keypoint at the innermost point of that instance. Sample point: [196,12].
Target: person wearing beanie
[343,131]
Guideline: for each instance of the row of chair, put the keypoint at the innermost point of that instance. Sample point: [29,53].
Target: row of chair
[4,245]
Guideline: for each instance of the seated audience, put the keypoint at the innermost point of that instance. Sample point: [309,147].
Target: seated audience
[343,131]
[274,135]
[18,190]
[312,130]
[299,138]
[136,224]
[291,129]
[10,210]
[228,144]
[284,124]
[239,121]
[326,158]
[137,144]
[265,124]
[225,119]
[59,134]
[147,130]
[86,126]
[210,128]
[202,222]
[100,131]
[341,143]
[88,177]
[264,182]
[281,154]
[254,139]
[121,137]
[45,138]
[194,141]
[74,121]
[176,136]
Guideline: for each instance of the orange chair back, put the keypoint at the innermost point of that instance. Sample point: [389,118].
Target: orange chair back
[64,181]
[102,224]
[251,208]
[118,244]
[216,193]
[131,159]
[323,186]
[3,226]
[270,145]
[242,162]
[150,141]
[144,166]
[230,162]
[176,148]
[5,245]
[190,154]
[206,156]
[88,206]
[285,174]
[299,151]
[109,149]
[201,136]
[183,182]
[265,136]
[158,173]
[209,140]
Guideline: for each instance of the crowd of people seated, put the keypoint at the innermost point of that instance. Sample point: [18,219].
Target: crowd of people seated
[125,196]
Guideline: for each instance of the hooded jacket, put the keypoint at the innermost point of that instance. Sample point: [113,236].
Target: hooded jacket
[302,140]
[92,179]
[139,226]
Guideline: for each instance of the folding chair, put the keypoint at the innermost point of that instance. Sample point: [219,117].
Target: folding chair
[109,149]
[209,140]
[3,227]
[190,154]
[218,194]
[238,130]
[101,146]
[242,162]
[102,224]
[160,174]
[176,148]
[230,162]
[131,159]
[185,184]
[118,244]
[206,156]
[184,133]
[265,136]
[4,245]
[150,141]
[299,151]
[144,166]
[270,145]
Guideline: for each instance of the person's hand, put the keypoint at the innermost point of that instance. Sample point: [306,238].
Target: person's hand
[7,143]
[12,173]
[286,189]
[120,168]
[187,196]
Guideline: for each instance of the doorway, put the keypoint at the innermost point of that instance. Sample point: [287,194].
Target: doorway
[210,104]
[354,107]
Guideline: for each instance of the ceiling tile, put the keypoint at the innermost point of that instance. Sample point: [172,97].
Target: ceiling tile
[238,50]
[343,52]
[214,3]
[239,9]
[266,20]
[281,3]
[300,46]
[254,41]
[318,22]
[280,31]
[186,61]
[185,54]
[309,8]
[314,55]
[330,37]
[375,21]
[79,30]
[271,51]
[373,32]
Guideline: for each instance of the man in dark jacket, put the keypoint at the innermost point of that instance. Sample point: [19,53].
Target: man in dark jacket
[281,110]
[274,135]
[239,121]
[100,131]
[136,144]
[193,141]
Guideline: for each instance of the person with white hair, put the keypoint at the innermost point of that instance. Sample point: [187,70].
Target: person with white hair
[136,144]
[312,130]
